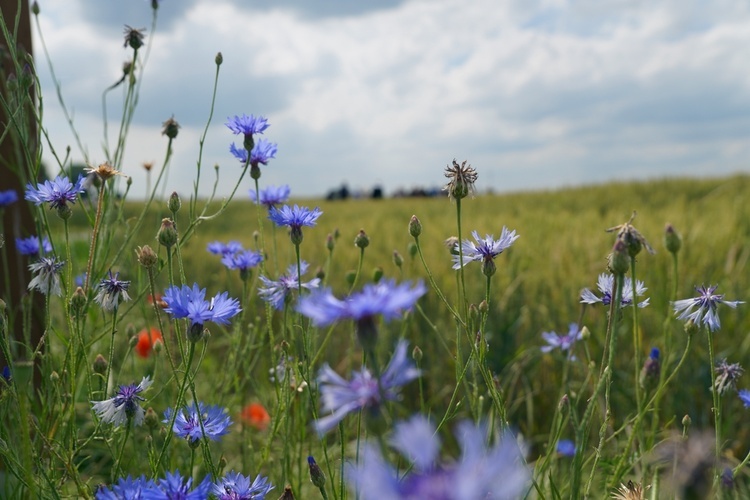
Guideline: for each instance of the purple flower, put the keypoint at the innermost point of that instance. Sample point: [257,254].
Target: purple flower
[242,260]
[8,197]
[58,193]
[564,342]
[219,248]
[271,196]
[247,125]
[277,292]
[702,309]
[481,472]
[126,488]
[186,302]
[295,218]
[340,397]
[47,279]
[112,291]
[124,405]
[727,375]
[384,298]
[186,424]
[484,251]
[744,395]
[566,448]
[263,150]
[175,487]
[235,486]
[33,245]
[605,283]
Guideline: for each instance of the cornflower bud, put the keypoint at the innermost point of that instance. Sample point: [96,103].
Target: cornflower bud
[361,240]
[651,369]
[350,277]
[397,259]
[133,341]
[686,421]
[100,365]
[287,495]
[585,333]
[146,256]
[412,249]
[170,128]
[415,227]
[316,474]
[151,419]
[330,243]
[174,203]
[619,259]
[77,302]
[672,239]
[416,354]
[219,59]
[35,8]
[167,234]
[377,274]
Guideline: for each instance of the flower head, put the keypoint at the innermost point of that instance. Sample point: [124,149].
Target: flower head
[263,150]
[58,193]
[124,405]
[461,180]
[727,375]
[340,397]
[8,197]
[482,471]
[566,448]
[242,260]
[187,425]
[702,309]
[146,340]
[564,342]
[103,171]
[294,217]
[255,415]
[134,37]
[112,291]
[235,486]
[631,237]
[186,302]
[33,246]
[247,125]
[605,285]
[47,279]
[126,488]
[278,292]
[219,248]
[629,491]
[174,487]
[744,396]
[485,250]
[271,196]
[170,128]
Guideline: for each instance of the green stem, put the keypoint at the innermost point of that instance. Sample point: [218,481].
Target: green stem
[716,398]
[111,359]
[94,236]
[116,469]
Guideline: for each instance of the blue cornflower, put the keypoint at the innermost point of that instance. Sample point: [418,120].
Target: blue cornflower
[744,396]
[294,217]
[186,302]
[271,196]
[277,292]
[484,251]
[219,248]
[47,279]
[242,260]
[6,374]
[186,424]
[8,197]
[174,487]
[727,375]
[126,488]
[340,397]
[58,193]
[33,246]
[564,342]
[235,486]
[605,283]
[702,309]
[263,150]
[566,448]
[481,472]
[112,291]
[247,125]
[124,405]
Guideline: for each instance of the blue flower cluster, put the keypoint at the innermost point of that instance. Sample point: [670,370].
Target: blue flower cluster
[233,486]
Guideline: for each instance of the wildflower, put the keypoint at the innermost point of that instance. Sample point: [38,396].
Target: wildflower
[462,178]
[187,425]
[47,279]
[219,248]
[630,491]
[271,196]
[486,250]
[702,309]
[605,284]
[112,291]
[235,486]
[481,472]
[33,246]
[58,193]
[247,125]
[277,292]
[8,197]
[672,239]
[148,165]
[126,487]
[133,37]
[170,128]
[256,416]
[651,368]
[564,342]
[727,376]
[174,487]
[744,396]
[294,217]
[566,448]
[124,406]
[146,340]
[631,237]
[186,302]
[263,150]
[317,477]
[6,374]
[103,171]
[243,260]
[167,234]
[340,397]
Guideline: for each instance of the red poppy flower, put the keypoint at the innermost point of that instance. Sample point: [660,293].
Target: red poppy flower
[146,340]
[255,415]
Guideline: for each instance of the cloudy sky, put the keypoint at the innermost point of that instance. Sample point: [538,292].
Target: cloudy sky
[533,93]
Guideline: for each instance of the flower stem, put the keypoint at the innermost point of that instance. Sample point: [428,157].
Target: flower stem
[116,468]
[111,353]
[94,236]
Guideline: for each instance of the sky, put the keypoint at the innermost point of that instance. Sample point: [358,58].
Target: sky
[534,94]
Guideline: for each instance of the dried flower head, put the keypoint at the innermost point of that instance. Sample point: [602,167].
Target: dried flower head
[462,178]
[629,491]
[104,171]
[727,376]
[171,127]
[633,239]
[134,37]
[148,165]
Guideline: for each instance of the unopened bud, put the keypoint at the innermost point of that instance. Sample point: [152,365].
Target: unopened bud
[151,419]
[316,474]
[585,333]
[158,346]
[484,307]
[686,421]
[412,249]
[54,377]
[397,259]
[651,369]
[619,259]
[415,227]
[563,402]
[672,239]
[174,203]
[77,302]
[167,235]
[146,256]
[361,240]
[350,276]
[691,328]
[133,341]
[35,8]
[100,365]
[287,495]
[330,243]
[377,274]
[219,59]
[170,128]
[417,354]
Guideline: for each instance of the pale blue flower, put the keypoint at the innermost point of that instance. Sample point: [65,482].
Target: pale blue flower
[124,405]
[47,278]
[277,292]
[605,284]
[271,195]
[57,193]
[112,291]
[485,250]
[703,308]
[235,486]
[216,422]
